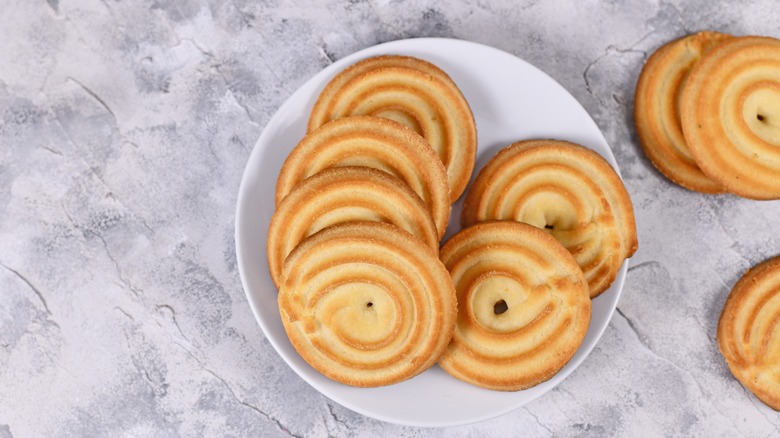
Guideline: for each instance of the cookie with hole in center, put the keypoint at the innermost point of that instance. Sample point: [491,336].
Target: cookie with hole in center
[367,304]
[523,305]
[657,112]
[567,190]
[749,333]
[415,93]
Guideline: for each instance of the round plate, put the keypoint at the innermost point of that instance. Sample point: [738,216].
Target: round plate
[511,100]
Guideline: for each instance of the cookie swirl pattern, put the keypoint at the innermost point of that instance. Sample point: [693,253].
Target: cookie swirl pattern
[749,333]
[523,305]
[730,112]
[415,93]
[367,304]
[567,190]
[371,142]
[344,194]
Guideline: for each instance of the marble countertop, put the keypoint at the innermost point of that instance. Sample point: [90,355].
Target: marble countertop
[125,127]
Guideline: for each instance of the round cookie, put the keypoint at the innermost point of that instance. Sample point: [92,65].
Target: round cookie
[749,334]
[523,305]
[730,113]
[657,114]
[344,194]
[415,93]
[367,304]
[371,142]
[567,190]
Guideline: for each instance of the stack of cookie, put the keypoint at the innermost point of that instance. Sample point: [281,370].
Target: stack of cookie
[363,201]
[547,224]
[707,113]
[361,205]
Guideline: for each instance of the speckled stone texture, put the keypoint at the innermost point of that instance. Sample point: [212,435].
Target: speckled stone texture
[124,130]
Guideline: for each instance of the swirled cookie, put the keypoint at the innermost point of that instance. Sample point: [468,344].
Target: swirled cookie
[657,114]
[367,304]
[343,194]
[566,189]
[371,142]
[749,333]
[730,113]
[413,92]
[523,305]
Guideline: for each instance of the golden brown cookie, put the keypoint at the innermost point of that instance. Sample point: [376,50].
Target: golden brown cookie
[730,112]
[344,194]
[371,142]
[523,305]
[367,304]
[413,92]
[749,333]
[566,189]
[657,111]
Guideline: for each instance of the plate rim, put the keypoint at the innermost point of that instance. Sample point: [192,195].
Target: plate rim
[561,376]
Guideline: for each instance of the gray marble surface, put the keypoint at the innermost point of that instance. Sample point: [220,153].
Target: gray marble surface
[124,130]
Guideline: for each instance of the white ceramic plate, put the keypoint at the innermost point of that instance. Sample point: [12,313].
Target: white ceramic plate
[511,100]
